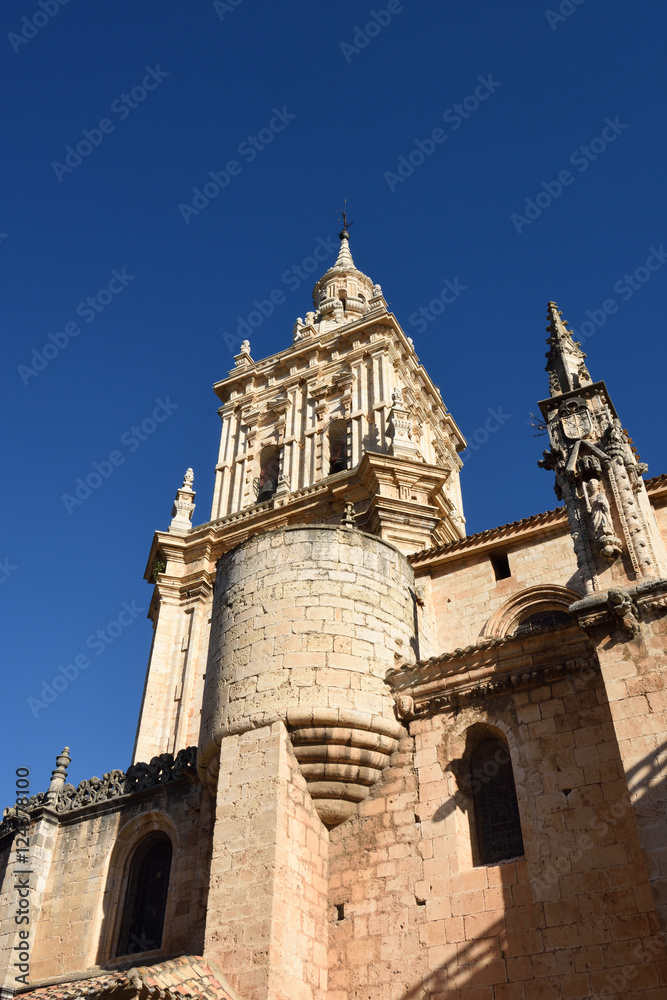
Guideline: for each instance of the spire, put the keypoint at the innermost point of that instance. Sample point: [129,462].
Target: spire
[565,359]
[344,293]
[344,258]
[598,474]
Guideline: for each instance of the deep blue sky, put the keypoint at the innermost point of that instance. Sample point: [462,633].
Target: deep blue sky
[163,334]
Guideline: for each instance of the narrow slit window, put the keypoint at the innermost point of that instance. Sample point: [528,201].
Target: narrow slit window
[146,897]
[497,821]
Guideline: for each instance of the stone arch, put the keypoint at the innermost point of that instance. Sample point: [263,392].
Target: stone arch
[266,483]
[337,437]
[547,597]
[110,915]
[471,729]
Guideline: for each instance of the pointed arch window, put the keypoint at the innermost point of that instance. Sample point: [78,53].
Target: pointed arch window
[146,897]
[337,446]
[497,821]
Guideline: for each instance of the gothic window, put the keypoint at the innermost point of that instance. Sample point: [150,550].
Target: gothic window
[269,464]
[146,897]
[497,821]
[337,446]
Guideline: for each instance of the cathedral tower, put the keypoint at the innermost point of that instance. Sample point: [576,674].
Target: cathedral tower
[345,415]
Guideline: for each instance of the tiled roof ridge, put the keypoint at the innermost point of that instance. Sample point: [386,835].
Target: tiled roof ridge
[186,976]
[544,517]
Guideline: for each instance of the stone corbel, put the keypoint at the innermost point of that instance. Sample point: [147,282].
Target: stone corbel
[405,706]
[624,611]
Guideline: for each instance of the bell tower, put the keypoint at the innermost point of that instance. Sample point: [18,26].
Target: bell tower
[345,410]
[343,425]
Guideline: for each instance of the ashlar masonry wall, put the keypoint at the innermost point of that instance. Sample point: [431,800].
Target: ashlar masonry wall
[78,922]
[464,592]
[573,918]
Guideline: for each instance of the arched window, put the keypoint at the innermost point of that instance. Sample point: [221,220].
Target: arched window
[337,446]
[146,897]
[269,467]
[496,810]
[551,618]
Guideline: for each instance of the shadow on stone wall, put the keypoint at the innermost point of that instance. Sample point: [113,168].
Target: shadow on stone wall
[640,955]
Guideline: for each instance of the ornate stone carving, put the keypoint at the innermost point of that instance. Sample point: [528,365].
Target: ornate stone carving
[349,518]
[113,784]
[624,611]
[58,776]
[405,706]
[607,544]
[598,475]
[399,427]
[184,506]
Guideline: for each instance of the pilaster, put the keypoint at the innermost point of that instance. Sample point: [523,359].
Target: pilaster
[267,909]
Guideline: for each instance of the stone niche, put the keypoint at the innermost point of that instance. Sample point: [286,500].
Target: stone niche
[306,623]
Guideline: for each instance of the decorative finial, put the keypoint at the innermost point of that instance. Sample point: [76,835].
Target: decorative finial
[58,776]
[243,358]
[344,233]
[349,518]
[184,506]
[565,360]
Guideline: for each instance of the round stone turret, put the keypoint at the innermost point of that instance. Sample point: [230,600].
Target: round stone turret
[306,622]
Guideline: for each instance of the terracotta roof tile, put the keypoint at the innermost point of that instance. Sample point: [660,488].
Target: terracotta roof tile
[189,976]
[547,517]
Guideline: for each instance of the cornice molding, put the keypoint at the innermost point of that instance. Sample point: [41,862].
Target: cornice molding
[489,669]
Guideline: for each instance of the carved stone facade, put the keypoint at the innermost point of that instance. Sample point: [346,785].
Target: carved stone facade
[598,475]
[334,652]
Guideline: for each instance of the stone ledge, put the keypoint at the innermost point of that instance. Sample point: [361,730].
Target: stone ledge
[489,669]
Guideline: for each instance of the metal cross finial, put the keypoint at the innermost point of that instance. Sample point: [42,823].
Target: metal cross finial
[346,224]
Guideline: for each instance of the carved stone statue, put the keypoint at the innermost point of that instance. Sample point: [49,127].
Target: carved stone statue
[624,611]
